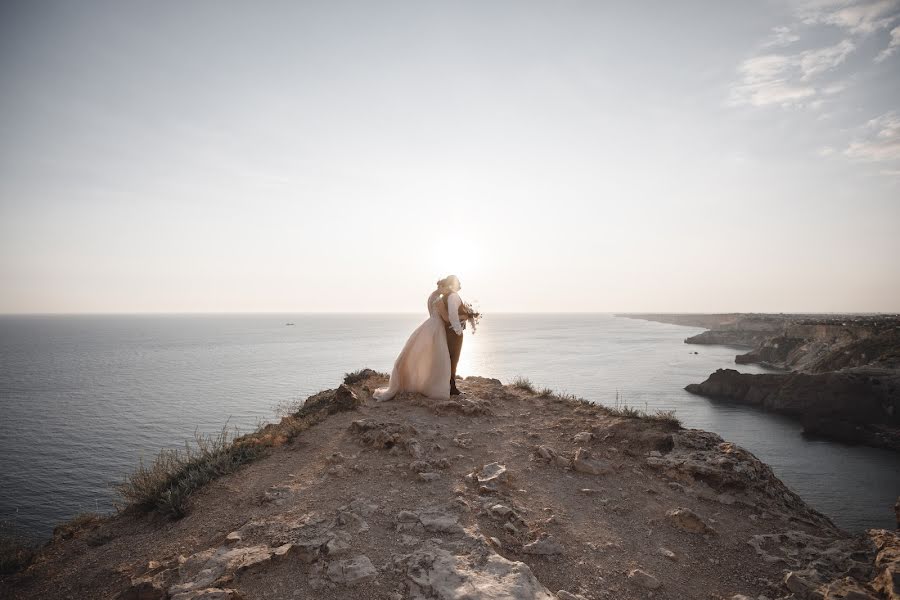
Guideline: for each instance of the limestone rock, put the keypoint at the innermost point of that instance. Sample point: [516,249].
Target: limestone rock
[354,571]
[887,562]
[440,522]
[585,463]
[802,585]
[643,579]
[688,520]
[583,438]
[667,553]
[544,546]
[492,475]
[203,569]
[435,574]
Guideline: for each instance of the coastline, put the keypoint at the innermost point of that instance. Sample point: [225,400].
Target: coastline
[840,374]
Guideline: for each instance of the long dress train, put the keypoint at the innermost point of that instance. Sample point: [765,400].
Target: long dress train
[423,365]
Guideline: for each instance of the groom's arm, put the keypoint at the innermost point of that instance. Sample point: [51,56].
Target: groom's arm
[453,304]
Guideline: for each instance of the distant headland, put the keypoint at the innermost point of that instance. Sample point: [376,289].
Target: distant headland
[840,373]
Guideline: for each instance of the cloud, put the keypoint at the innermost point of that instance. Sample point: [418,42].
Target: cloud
[893,45]
[789,80]
[856,17]
[816,62]
[785,80]
[879,141]
[781,36]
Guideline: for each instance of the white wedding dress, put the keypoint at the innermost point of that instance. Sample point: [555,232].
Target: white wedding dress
[423,365]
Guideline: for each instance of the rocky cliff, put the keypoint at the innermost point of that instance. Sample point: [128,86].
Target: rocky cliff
[501,494]
[843,379]
[854,406]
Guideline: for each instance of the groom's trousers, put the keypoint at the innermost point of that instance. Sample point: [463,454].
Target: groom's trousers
[454,344]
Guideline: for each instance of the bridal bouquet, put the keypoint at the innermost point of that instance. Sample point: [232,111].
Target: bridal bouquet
[467,312]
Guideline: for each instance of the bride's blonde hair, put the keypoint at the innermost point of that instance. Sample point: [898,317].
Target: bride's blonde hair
[444,284]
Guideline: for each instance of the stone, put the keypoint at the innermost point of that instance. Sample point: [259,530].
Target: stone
[688,520]
[202,569]
[585,463]
[583,437]
[414,448]
[351,519]
[501,510]
[801,586]
[667,553]
[492,475]
[440,522]
[545,452]
[338,545]
[643,579]
[361,507]
[354,571]
[406,516]
[435,574]
[847,588]
[429,477]
[543,546]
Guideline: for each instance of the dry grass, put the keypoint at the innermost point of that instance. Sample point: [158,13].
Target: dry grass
[620,409]
[523,383]
[16,551]
[78,523]
[361,375]
[167,483]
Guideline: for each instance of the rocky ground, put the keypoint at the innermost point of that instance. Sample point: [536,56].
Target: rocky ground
[500,494]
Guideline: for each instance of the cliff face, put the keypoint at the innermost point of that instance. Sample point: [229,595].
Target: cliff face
[844,370]
[854,406]
[500,494]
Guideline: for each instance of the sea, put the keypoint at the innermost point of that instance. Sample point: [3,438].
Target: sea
[85,399]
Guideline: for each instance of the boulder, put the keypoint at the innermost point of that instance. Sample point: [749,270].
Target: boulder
[492,475]
[688,520]
[585,463]
[354,571]
[436,574]
[440,522]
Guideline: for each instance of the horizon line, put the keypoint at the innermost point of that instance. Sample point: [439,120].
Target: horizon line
[347,313]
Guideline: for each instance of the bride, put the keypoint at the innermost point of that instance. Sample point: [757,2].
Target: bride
[423,365]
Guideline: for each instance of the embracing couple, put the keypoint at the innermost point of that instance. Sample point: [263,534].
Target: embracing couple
[427,363]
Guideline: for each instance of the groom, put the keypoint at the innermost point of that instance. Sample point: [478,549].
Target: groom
[455,328]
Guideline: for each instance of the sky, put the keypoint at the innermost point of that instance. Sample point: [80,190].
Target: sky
[558,156]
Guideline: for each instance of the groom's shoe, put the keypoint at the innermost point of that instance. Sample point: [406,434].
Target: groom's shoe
[454,391]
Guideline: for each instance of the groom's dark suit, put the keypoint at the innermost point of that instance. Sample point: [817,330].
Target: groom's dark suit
[454,346]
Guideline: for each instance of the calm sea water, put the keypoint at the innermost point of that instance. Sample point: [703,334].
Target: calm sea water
[84,398]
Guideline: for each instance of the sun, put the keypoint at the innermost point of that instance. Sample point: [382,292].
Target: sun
[461,257]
